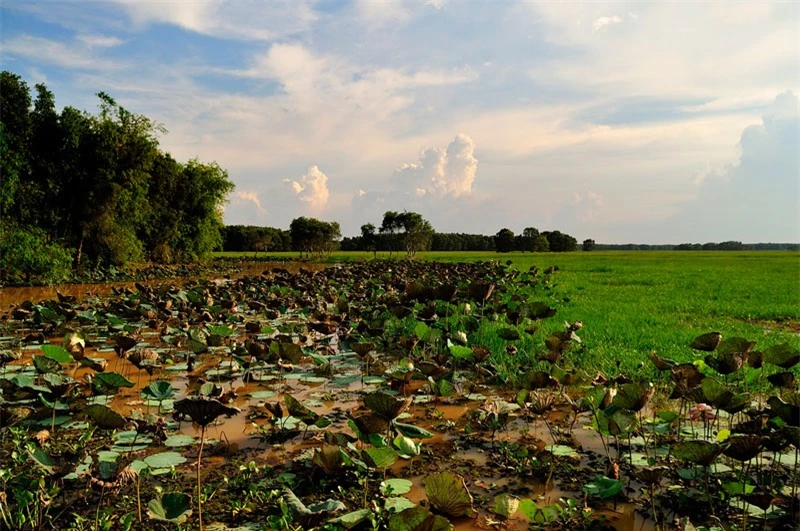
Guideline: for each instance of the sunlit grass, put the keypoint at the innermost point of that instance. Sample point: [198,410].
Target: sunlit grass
[632,303]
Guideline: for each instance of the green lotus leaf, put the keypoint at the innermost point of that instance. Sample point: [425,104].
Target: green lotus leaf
[505,505]
[396,486]
[418,519]
[351,519]
[397,504]
[42,459]
[409,430]
[56,353]
[380,457]
[406,446]
[112,380]
[179,440]
[540,515]
[105,417]
[561,450]
[45,365]
[632,396]
[159,390]
[327,506]
[697,451]
[448,494]
[164,460]
[717,393]
[604,487]
[735,344]
[175,507]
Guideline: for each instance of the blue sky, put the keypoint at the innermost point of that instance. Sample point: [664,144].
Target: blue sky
[649,122]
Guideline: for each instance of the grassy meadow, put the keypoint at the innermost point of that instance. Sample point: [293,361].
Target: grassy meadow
[633,303]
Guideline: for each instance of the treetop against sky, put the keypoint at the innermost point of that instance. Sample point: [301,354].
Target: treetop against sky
[618,121]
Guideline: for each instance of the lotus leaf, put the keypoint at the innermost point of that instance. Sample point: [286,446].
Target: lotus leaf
[632,396]
[386,405]
[179,440]
[707,342]
[743,447]
[462,353]
[397,504]
[204,411]
[735,344]
[418,519]
[45,365]
[448,494]
[662,364]
[396,486]
[789,413]
[696,451]
[164,460]
[159,390]
[561,450]
[505,505]
[406,446]
[351,519]
[111,380]
[380,457]
[509,334]
[409,430]
[784,356]
[57,353]
[782,379]
[540,515]
[330,458]
[105,417]
[172,507]
[603,487]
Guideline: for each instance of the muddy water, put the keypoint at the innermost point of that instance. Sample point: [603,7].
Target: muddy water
[12,296]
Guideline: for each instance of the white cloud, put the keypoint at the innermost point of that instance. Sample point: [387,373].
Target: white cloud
[312,188]
[442,172]
[602,22]
[100,41]
[57,53]
[380,13]
[251,197]
[228,19]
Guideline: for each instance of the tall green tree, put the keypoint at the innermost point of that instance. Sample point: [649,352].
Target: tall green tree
[15,130]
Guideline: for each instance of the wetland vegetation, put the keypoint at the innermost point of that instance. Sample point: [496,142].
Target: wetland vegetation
[396,395]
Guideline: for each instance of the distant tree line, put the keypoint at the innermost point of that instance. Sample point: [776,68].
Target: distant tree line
[710,246]
[80,189]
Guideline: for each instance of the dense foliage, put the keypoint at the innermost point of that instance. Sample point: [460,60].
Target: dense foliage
[99,185]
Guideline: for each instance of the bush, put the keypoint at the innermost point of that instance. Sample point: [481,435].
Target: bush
[27,253]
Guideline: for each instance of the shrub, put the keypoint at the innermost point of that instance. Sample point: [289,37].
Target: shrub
[28,253]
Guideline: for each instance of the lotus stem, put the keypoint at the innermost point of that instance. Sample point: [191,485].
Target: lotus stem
[199,459]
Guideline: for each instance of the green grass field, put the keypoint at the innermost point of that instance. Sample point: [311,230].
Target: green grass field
[632,303]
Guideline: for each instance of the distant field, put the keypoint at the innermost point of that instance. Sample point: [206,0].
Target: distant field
[632,303]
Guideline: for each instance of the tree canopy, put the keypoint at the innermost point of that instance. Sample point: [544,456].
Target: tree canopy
[100,185]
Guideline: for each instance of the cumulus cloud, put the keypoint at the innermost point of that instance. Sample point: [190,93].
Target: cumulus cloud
[587,206]
[448,171]
[312,188]
[602,22]
[756,198]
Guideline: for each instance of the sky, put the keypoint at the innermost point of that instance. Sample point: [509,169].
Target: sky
[645,122]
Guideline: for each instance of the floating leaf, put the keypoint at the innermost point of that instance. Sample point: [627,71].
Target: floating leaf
[174,507]
[540,515]
[561,450]
[448,494]
[603,487]
[396,486]
[351,519]
[105,417]
[164,460]
[179,440]
[418,519]
[397,504]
